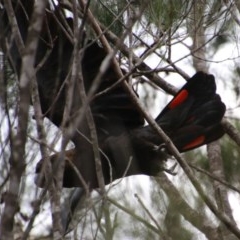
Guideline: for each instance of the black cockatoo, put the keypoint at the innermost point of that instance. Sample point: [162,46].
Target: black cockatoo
[191,119]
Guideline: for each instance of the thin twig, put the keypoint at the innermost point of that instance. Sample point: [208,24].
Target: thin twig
[214,177]
[161,232]
[132,214]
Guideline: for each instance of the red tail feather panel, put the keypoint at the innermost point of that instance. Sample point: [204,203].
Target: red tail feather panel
[193,116]
[178,99]
[195,143]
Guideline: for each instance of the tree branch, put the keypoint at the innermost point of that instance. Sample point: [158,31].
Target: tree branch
[17,160]
[197,219]
[231,131]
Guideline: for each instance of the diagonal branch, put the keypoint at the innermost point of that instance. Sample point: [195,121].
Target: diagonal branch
[197,219]
[231,131]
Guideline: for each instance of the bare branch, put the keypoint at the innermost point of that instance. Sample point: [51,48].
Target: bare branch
[231,131]
[197,219]
[214,177]
[221,196]
[18,144]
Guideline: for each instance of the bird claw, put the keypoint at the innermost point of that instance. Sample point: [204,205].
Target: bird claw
[171,170]
[161,147]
